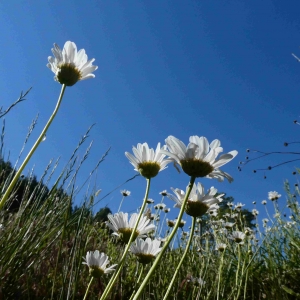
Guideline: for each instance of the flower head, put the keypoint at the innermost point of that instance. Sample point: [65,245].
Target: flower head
[147,161]
[221,247]
[198,159]
[273,196]
[171,223]
[198,282]
[164,193]
[123,229]
[125,193]
[228,225]
[238,237]
[97,263]
[238,206]
[70,66]
[146,250]
[199,202]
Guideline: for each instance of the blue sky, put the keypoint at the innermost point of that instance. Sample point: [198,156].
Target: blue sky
[220,69]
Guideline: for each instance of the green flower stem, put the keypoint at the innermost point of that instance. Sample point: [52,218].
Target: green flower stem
[118,270]
[121,203]
[238,268]
[159,257]
[34,147]
[220,274]
[88,288]
[187,248]
[138,281]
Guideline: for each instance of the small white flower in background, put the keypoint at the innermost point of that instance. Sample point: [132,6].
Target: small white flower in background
[265,220]
[229,204]
[198,159]
[97,263]
[197,281]
[228,225]
[198,203]
[238,237]
[166,210]
[125,193]
[70,66]
[264,202]
[277,215]
[220,247]
[255,212]
[238,206]
[123,229]
[248,231]
[161,206]
[233,216]
[146,251]
[147,161]
[164,193]
[181,224]
[273,196]
[171,223]
[213,212]
[150,201]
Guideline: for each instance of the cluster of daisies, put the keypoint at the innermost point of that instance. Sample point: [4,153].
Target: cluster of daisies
[198,158]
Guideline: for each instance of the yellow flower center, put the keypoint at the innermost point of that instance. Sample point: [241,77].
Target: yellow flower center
[95,271]
[125,234]
[68,74]
[196,208]
[148,169]
[196,167]
[144,258]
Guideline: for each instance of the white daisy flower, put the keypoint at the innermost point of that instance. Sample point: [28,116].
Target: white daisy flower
[213,212]
[197,281]
[228,225]
[238,206]
[150,201]
[199,202]
[264,202]
[198,159]
[248,231]
[70,66]
[273,196]
[255,212]
[164,193]
[97,263]
[220,247]
[238,237]
[146,250]
[123,229]
[125,193]
[147,161]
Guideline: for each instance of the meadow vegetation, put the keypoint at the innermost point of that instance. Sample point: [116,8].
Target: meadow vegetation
[228,253]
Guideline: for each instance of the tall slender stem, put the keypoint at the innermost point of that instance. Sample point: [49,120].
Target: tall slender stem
[187,248]
[138,281]
[121,203]
[170,237]
[118,270]
[34,147]
[220,274]
[88,288]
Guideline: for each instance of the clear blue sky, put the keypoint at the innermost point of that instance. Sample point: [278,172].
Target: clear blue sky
[221,69]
